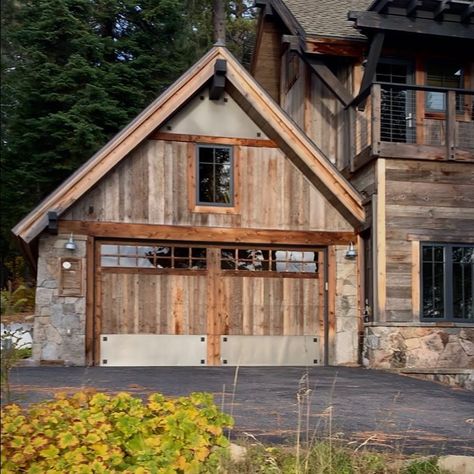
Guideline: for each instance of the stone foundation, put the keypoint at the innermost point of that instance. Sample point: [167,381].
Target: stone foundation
[346,340]
[59,324]
[425,348]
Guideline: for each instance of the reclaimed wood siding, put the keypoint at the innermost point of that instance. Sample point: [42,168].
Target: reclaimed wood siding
[426,198]
[269,306]
[151,186]
[137,303]
[266,66]
[293,95]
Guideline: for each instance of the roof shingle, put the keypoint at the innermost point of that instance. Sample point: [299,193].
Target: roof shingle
[327,17]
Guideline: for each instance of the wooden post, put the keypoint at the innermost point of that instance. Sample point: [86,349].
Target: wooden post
[90,294]
[376,103]
[450,124]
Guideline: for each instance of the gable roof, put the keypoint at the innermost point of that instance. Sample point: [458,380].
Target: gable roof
[273,121]
[327,18]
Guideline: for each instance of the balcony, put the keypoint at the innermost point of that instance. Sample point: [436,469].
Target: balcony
[412,122]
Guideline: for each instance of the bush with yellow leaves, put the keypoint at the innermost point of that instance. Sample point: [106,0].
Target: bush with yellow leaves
[97,433]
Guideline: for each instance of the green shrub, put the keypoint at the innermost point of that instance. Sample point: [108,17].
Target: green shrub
[98,433]
[12,302]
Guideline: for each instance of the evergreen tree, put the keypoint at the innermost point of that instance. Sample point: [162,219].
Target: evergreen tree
[74,72]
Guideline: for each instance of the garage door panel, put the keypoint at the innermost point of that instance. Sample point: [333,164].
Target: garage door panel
[134,303]
[263,306]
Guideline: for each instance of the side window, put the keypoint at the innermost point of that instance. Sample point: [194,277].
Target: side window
[441,74]
[214,176]
[447,282]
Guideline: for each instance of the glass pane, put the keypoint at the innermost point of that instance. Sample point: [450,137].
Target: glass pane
[438,254]
[109,261]
[222,156]
[109,249]
[427,254]
[206,155]
[463,269]
[206,183]
[222,184]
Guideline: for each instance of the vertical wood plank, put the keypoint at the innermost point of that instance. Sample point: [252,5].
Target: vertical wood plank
[331,330]
[97,305]
[420,101]
[415,280]
[213,341]
[90,295]
[450,124]
[376,102]
[381,240]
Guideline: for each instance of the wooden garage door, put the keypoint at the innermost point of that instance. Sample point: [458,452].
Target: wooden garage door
[213,298]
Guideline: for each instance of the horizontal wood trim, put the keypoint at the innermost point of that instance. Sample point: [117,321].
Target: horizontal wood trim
[440,237]
[419,152]
[205,234]
[176,137]
[335,47]
[266,274]
[154,271]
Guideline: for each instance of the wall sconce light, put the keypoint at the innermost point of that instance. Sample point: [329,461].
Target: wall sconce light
[351,253]
[70,244]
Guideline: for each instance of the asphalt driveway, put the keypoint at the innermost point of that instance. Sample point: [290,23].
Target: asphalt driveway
[383,410]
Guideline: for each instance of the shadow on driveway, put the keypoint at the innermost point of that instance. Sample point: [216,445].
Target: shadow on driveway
[383,410]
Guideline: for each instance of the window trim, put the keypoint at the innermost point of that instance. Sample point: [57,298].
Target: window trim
[194,205]
[448,284]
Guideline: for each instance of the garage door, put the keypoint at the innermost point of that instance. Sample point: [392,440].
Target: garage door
[173,304]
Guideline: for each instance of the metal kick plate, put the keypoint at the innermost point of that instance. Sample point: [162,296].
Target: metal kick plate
[135,350]
[270,350]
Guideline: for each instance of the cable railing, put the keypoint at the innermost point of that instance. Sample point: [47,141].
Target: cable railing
[414,115]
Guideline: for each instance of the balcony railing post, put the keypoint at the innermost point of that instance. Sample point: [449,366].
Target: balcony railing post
[376,100]
[451,124]
[351,143]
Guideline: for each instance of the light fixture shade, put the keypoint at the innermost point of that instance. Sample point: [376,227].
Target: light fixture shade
[351,253]
[70,244]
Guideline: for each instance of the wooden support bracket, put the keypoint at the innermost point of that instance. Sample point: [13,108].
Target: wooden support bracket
[53,222]
[371,66]
[218,80]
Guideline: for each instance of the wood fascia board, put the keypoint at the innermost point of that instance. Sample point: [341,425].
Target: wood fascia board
[205,234]
[279,127]
[106,158]
[374,21]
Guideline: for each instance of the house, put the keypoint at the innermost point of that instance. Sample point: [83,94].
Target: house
[319,210]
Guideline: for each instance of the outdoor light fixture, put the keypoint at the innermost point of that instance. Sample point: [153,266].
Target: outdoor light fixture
[351,253]
[70,244]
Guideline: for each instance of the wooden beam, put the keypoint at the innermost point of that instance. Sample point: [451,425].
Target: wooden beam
[205,234]
[380,241]
[178,137]
[371,65]
[292,42]
[218,80]
[467,13]
[450,124]
[334,47]
[330,356]
[403,24]
[265,6]
[329,79]
[381,6]
[412,7]
[53,222]
[441,9]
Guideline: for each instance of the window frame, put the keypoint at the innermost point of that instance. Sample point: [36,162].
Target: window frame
[448,290]
[194,205]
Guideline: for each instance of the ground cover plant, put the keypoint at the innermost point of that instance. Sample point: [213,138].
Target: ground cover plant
[98,433]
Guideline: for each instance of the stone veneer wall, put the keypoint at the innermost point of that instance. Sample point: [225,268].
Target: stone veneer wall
[418,347]
[347,312]
[59,324]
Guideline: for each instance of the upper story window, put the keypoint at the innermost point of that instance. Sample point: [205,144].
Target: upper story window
[215,186]
[442,74]
[447,282]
